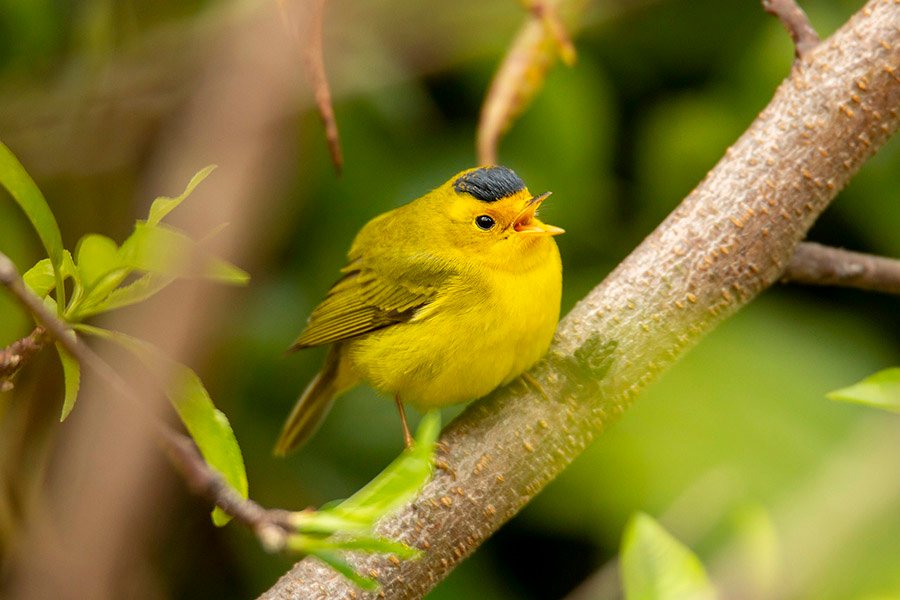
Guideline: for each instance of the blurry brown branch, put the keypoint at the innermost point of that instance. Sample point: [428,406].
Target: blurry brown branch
[17,354]
[521,75]
[727,241]
[314,59]
[547,13]
[821,265]
[315,63]
[796,22]
[271,526]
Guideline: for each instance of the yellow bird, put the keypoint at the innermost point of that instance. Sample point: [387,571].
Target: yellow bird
[442,300]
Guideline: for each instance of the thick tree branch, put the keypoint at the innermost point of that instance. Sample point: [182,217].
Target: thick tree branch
[271,526]
[796,22]
[729,239]
[820,265]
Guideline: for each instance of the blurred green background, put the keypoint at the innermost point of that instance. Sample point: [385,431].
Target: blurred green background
[781,492]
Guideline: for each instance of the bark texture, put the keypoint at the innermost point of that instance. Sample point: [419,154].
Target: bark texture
[728,240]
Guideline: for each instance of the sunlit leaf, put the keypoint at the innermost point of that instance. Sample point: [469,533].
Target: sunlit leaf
[22,188]
[95,256]
[40,278]
[399,482]
[656,566]
[881,390]
[103,287]
[337,562]
[167,251]
[138,290]
[163,205]
[71,379]
[208,426]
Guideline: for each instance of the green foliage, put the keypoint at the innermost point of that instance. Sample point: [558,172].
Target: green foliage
[881,390]
[159,253]
[656,566]
[71,378]
[348,524]
[21,187]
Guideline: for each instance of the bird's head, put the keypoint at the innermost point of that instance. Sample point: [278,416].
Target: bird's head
[490,209]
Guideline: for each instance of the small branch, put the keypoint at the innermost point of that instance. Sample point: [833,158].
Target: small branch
[548,14]
[271,526]
[314,57]
[821,265]
[521,75]
[315,63]
[796,22]
[17,354]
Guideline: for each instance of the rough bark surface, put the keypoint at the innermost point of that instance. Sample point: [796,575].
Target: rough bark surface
[727,241]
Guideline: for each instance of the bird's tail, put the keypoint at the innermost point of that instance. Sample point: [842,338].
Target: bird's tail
[315,402]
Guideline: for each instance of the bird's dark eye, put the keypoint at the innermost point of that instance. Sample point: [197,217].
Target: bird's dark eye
[484,222]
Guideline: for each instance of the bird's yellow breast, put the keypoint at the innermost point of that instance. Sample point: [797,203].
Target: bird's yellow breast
[491,323]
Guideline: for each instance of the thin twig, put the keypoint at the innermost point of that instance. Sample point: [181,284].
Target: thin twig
[314,58]
[271,526]
[520,76]
[17,354]
[796,22]
[548,14]
[315,64]
[822,265]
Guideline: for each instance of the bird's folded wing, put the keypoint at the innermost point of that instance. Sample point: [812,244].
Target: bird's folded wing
[373,295]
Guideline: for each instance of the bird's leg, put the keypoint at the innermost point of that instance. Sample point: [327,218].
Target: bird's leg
[407,438]
[534,383]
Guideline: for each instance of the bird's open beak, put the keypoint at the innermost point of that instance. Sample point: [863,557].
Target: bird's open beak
[526,222]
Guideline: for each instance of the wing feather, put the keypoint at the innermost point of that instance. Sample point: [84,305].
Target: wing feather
[374,294]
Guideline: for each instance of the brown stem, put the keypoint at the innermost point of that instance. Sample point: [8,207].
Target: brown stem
[314,57]
[727,241]
[821,265]
[796,22]
[315,63]
[17,354]
[271,526]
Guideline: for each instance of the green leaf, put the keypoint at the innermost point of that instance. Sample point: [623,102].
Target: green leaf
[656,566]
[881,390]
[40,278]
[22,188]
[164,205]
[96,255]
[210,429]
[207,425]
[337,562]
[309,544]
[102,288]
[398,483]
[167,251]
[138,290]
[71,378]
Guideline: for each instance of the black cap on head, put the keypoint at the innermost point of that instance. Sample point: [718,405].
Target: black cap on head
[489,183]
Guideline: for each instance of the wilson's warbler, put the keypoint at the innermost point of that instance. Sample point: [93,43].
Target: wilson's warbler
[442,300]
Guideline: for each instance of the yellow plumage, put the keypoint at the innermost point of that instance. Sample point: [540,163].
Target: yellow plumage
[442,300]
